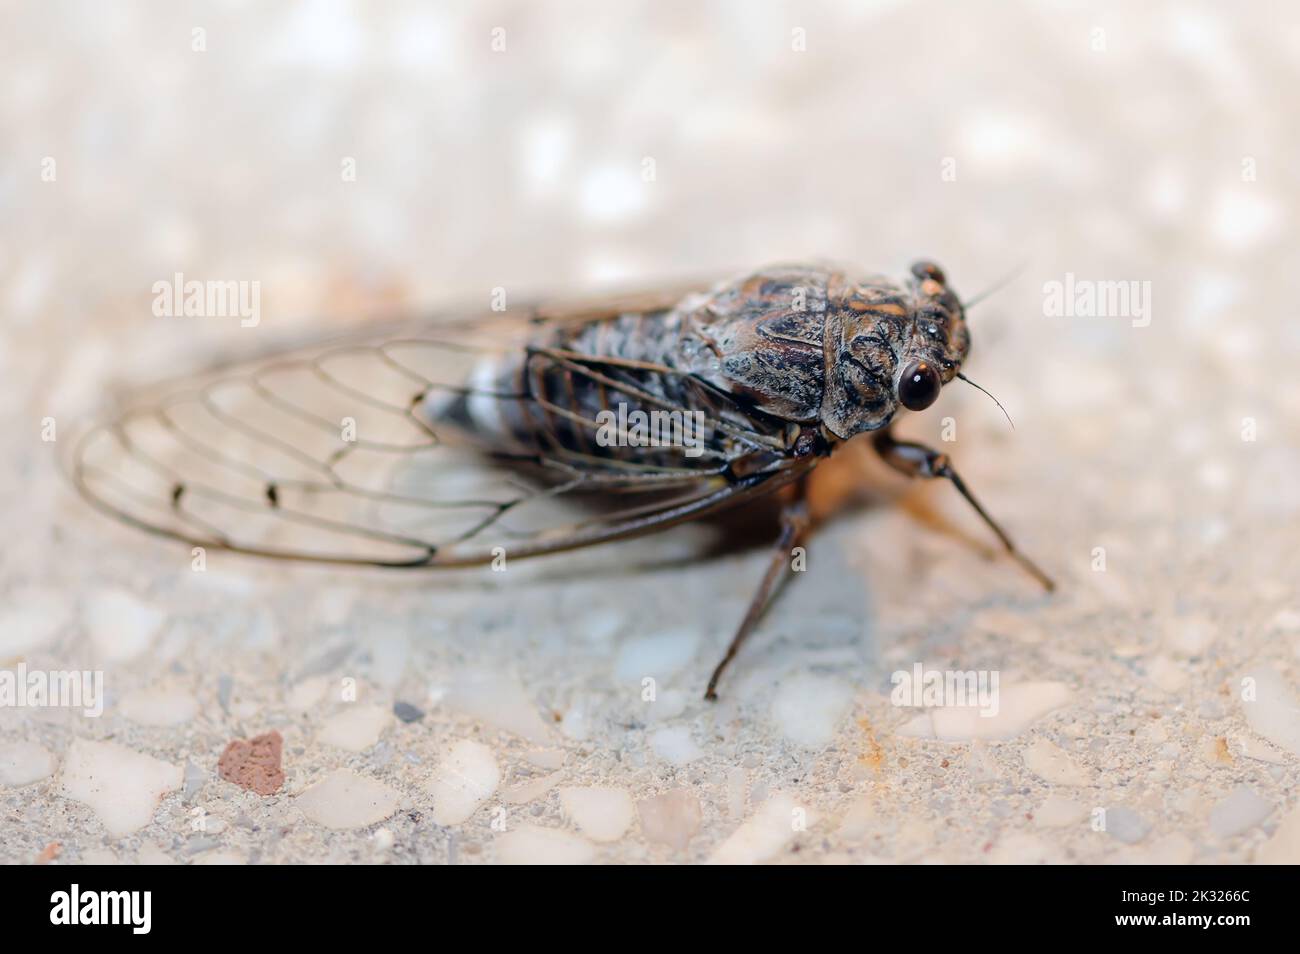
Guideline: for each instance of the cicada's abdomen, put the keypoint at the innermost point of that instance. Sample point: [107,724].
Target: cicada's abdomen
[601,389]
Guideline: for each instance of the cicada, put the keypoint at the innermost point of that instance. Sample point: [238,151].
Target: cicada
[508,436]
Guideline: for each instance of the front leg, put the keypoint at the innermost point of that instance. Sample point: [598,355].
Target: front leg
[917,460]
[795,521]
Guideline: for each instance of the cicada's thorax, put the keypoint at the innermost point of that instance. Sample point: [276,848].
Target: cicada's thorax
[793,345]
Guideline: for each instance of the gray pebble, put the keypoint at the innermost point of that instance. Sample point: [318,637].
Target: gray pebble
[1126,825]
[407,712]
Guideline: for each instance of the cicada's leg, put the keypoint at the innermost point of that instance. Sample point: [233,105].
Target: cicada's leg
[917,460]
[795,522]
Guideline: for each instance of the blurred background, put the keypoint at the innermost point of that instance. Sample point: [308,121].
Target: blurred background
[354,158]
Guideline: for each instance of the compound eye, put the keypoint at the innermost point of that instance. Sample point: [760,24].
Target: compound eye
[919,386]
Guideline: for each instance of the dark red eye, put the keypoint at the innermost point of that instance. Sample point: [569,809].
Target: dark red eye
[919,386]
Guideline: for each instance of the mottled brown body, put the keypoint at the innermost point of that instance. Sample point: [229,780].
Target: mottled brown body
[789,345]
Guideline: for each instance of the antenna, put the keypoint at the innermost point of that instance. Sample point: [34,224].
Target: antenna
[995,400]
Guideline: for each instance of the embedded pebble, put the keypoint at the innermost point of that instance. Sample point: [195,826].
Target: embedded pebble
[356,728]
[252,764]
[121,626]
[22,763]
[1190,636]
[1018,707]
[500,701]
[159,707]
[659,656]
[574,724]
[1166,674]
[344,800]
[463,781]
[30,619]
[303,695]
[1052,764]
[671,818]
[407,712]
[768,830]
[1126,825]
[1021,848]
[533,845]
[674,745]
[668,704]
[1252,748]
[546,758]
[861,816]
[1273,712]
[1283,848]
[195,779]
[1286,621]
[531,790]
[809,709]
[1242,810]
[1057,811]
[121,786]
[602,814]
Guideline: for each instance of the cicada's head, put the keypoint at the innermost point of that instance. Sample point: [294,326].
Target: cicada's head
[898,345]
[937,341]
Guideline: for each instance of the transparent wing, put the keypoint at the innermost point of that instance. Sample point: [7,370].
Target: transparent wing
[336,453]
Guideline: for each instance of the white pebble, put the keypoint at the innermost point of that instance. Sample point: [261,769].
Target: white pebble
[356,728]
[1058,811]
[1284,847]
[809,708]
[1052,764]
[1018,707]
[1190,636]
[1286,620]
[121,786]
[303,695]
[120,624]
[30,619]
[464,780]
[531,845]
[671,818]
[765,833]
[22,763]
[1270,709]
[660,656]
[1166,675]
[1252,748]
[546,758]
[674,745]
[602,814]
[531,790]
[668,704]
[157,706]
[1242,810]
[345,800]
[499,700]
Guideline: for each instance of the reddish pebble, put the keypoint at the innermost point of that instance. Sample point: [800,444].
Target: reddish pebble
[254,764]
